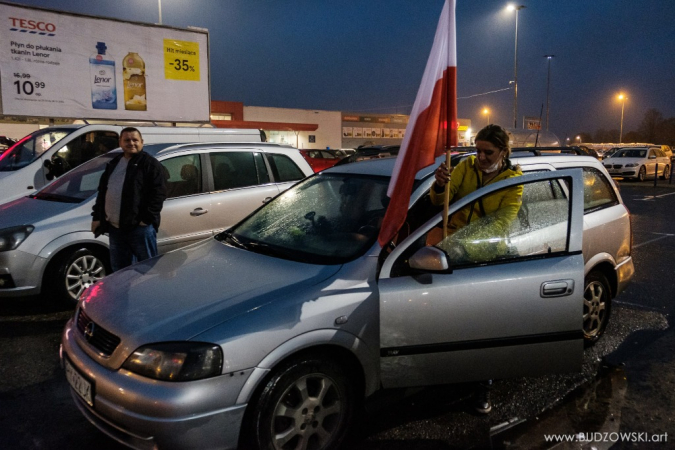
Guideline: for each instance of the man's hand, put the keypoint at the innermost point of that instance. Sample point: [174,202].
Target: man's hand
[442,175]
[94,225]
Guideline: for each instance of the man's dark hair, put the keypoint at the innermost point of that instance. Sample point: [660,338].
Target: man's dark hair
[131,130]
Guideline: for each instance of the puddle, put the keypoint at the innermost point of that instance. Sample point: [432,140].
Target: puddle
[588,419]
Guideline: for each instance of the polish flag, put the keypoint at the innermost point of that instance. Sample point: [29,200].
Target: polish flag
[427,135]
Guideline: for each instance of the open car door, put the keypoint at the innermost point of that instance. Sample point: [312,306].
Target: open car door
[501,297]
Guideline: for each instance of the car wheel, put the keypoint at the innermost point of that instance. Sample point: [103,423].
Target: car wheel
[307,403]
[666,173]
[597,306]
[76,271]
[642,174]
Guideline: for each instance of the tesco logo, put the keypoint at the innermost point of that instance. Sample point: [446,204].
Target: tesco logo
[32,25]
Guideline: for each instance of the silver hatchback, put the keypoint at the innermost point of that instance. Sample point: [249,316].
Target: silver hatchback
[270,334]
[45,240]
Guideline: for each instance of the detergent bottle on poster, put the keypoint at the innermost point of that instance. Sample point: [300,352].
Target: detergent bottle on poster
[102,71]
[134,83]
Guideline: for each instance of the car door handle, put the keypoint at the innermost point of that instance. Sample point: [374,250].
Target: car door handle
[557,288]
[267,200]
[199,212]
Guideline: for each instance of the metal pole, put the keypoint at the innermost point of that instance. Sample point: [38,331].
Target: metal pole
[623,103]
[515,77]
[159,4]
[548,87]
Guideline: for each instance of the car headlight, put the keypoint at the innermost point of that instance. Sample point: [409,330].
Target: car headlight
[11,238]
[176,361]
[632,165]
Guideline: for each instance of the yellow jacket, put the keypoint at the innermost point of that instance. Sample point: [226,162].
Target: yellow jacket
[500,207]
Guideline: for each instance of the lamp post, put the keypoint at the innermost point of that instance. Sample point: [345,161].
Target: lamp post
[623,103]
[515,68]
[159,4]
[487,113]
[578,139]
[548,86]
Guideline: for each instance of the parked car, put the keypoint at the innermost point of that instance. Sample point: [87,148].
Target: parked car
[575,150]
[667,151]
[638,162]
[48,153]
[46,242]
[320,159]
[272,333]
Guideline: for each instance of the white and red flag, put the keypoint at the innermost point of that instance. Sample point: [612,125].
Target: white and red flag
[427,134]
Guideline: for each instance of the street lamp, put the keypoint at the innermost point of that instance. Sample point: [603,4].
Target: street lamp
[159,4]
[515,68]
[623,103]
[487,113]
[578,139]
[548,86]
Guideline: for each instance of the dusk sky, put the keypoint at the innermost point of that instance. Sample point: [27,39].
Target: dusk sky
[369,55]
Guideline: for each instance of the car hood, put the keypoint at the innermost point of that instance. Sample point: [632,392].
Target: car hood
[29,211]
[185,292]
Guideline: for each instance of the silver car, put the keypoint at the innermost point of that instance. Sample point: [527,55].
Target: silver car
[45,239]
[273,332]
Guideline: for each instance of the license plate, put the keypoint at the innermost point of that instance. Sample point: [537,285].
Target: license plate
[79,383]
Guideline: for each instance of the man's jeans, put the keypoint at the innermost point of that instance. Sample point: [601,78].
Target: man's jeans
[129,247]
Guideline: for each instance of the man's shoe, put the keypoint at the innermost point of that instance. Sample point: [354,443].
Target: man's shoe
[482,403]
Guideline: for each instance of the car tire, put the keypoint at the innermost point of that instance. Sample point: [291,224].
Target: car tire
[597,307]
[642,174]
[306,403]
[77,270]
[666,173]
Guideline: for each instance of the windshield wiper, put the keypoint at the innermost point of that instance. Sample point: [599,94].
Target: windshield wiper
[55,197]
[231,238]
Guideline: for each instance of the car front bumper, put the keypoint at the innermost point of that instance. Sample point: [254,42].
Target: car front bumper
[20,273]
[147,414]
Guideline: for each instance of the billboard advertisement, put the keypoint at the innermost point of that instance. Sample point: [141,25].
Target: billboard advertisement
[55,64]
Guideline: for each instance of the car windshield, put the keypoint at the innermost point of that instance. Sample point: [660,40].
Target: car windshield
[630,153]
[31,148]
[326,219]
[77,185]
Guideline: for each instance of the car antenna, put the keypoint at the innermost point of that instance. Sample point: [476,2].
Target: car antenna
[536,141]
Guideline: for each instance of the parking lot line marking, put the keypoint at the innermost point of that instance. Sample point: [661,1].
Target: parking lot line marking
[663,236]
[665,195]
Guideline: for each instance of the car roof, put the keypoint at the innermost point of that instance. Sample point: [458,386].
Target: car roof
[158,150]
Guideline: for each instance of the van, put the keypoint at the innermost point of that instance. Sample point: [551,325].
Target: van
[48,153]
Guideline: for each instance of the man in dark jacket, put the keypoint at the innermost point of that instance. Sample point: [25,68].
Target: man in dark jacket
[130,197]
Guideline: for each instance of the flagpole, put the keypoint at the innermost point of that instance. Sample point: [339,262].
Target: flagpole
[446,201]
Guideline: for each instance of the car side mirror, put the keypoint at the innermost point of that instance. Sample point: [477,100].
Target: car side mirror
[429,259]
[48,169]
[652,156]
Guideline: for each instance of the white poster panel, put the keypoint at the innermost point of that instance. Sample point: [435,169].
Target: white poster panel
[55,64]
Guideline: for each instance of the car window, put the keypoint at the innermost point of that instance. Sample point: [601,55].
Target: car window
[78,184]
[537,226]
[326,219]
[283,168]
[31,148]
[233,170]
[598,191]
[183,175]
[84,148]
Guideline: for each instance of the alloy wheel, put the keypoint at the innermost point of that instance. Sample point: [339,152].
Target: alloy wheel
[82,273]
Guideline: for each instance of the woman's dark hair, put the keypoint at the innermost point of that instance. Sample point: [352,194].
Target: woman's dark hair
[495,135]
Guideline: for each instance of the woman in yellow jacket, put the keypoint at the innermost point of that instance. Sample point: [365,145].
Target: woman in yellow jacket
[497,210]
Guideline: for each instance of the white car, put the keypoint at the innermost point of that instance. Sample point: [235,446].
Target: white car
[638,162]
[45,238]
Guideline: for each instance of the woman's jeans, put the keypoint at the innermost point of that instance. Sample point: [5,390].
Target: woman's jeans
[129,247]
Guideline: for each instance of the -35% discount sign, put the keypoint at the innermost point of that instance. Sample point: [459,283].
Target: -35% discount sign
[181,60]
